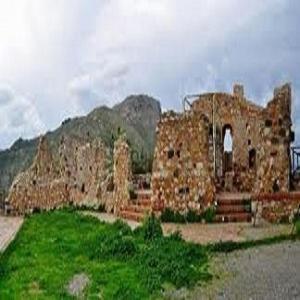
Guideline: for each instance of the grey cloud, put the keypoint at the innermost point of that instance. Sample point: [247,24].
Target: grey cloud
[18,117]
[98,52]
[6,96]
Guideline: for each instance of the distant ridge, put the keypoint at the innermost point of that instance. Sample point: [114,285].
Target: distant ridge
[137,115]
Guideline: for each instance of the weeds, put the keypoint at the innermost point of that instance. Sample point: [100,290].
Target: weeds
[191,216]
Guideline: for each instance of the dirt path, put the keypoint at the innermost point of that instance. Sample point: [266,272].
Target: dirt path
[9,226]
[211,233]
[267,272]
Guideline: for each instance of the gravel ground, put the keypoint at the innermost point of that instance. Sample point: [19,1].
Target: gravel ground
[266,272]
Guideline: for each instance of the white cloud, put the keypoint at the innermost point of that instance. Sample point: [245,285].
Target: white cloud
[69,56]
[18,117]
[101,84]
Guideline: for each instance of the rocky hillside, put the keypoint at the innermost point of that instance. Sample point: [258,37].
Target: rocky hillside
[136,115]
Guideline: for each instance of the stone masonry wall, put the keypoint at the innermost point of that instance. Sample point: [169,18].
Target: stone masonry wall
[278,207]
[274,151]
[185,173]
[122,174]
[40,187]
[85,168]
[182,169]
[81,177]
[261,132]
[242,117]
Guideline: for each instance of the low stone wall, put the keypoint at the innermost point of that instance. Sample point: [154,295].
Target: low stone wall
[182,167]
[276,208]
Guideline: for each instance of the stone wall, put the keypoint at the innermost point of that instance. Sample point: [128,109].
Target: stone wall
[274,151]
[39,187]
[122,174]
[190,162]
[257,132]
[242,118]
[81,177]
[182,167]
[276,208]
[85,168]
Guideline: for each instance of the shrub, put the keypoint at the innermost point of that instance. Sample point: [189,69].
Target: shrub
[298,228]
[152,228]
[176,236]
[116,246]
[193,217]
[169,216]
[209,215]
[122,227]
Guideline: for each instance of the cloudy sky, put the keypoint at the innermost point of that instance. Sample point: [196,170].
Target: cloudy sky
[62,58]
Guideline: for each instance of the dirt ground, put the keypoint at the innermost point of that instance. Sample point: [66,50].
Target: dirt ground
[9,226]
[211,233]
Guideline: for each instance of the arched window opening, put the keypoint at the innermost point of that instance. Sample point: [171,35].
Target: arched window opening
[227,148]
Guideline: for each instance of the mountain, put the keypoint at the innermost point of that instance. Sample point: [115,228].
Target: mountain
[137,115]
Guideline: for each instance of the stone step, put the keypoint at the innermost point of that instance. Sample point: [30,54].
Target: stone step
[233,196]
[233,217]
[224,209]
[231,202]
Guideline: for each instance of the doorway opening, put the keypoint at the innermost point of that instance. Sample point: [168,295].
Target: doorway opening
[227,148]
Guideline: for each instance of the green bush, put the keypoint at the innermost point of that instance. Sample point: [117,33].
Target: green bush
[169,216]
[176,236]
[113,246]
[122,227]
[298,228]
[209,215]
[152,228]
[192,216]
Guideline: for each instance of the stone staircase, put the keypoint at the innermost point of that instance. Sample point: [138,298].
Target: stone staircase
[233,207]
[137,208]
[140,204]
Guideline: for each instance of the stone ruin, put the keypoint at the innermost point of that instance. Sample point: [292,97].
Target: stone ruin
[192,165]
[191,162]
[82,177]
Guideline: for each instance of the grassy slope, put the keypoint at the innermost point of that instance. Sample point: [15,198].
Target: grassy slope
[52,247]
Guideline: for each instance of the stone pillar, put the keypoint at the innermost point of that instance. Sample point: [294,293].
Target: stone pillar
[122,173]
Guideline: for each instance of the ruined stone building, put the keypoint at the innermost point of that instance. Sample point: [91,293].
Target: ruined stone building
[191,162]
[221,143]
[82,177]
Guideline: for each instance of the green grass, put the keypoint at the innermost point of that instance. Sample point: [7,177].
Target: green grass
[230,246]
[52,247]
